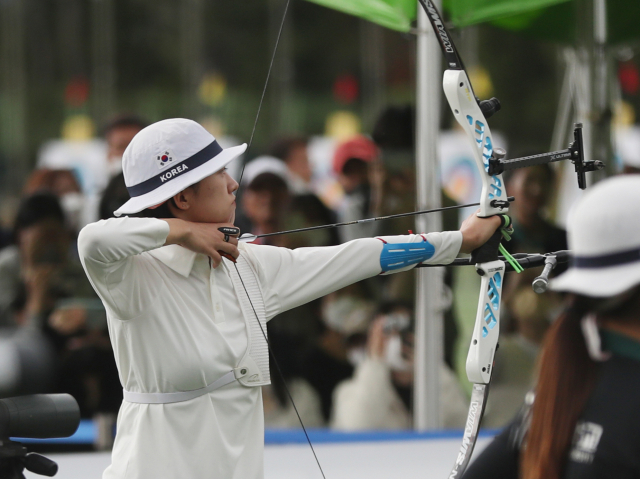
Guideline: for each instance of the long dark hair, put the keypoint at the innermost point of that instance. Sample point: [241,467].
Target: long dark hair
[566,379]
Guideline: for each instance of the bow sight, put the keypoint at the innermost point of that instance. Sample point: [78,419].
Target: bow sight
[575,153]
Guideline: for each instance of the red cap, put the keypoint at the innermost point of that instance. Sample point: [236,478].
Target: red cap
[359,147]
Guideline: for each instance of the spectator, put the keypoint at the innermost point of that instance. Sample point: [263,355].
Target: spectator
[278,408]
[40,208]
[360,173]
[64,185]
[345,315]
[533,233]
[263,201]
[54,327]
[35,273]
[29,270]
[378,396]
[306,211]
[113,197]
[118,133]
[293,151]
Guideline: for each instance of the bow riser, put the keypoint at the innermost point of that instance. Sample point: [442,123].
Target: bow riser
[464,106]
[487,326]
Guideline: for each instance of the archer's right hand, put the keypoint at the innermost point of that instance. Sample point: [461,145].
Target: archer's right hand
[204,238]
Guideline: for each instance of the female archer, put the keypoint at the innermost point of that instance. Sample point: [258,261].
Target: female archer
[188,327]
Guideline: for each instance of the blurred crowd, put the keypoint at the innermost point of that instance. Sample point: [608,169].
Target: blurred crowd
[346,359]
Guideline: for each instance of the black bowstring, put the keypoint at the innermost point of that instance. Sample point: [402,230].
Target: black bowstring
[264,333]
[275,361]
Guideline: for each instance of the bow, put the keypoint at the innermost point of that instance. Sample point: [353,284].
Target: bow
[472,116]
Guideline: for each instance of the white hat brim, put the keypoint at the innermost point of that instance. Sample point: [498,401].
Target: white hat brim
[175,186]
[598,282]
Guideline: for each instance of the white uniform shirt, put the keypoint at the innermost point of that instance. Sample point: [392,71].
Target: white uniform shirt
[176,325]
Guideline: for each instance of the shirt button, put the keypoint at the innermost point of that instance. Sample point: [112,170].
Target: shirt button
[217,306]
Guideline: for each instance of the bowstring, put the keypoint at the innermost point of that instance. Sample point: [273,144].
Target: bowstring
[275,361]
[266,83]
[264,333]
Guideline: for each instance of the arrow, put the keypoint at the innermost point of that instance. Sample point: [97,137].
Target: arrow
[249,238]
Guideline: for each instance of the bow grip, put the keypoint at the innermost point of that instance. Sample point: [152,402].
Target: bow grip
[489,251]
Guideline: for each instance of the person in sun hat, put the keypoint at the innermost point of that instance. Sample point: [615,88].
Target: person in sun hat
[187,325]
[581,421]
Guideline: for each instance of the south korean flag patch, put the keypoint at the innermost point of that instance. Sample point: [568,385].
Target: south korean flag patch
[164,159]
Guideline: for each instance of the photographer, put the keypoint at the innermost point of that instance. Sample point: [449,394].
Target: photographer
[379,394]
[31,275]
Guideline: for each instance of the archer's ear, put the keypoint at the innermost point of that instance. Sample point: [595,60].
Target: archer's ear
[183,200]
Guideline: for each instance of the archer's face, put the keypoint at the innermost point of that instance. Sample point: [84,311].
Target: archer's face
[212,200]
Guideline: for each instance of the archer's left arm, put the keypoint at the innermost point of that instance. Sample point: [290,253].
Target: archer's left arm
[290,278]
[402,253]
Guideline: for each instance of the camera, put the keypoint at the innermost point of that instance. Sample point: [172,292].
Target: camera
[39,416]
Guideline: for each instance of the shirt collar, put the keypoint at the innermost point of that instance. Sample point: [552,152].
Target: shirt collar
[620,344]
[176,257]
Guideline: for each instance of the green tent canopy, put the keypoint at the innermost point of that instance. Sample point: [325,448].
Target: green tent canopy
[548,19]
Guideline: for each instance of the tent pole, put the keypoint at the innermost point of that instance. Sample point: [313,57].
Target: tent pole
[429,336]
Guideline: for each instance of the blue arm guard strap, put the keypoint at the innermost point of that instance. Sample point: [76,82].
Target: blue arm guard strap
[401,255]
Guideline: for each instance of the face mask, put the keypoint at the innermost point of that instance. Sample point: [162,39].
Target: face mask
[397,322]
[356,356]
[393,355]
[114,166]
[72,204]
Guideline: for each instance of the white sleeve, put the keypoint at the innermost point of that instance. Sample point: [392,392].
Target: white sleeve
[107,250]
[115,239]
[290,278]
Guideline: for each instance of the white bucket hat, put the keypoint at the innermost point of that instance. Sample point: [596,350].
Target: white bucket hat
[604,238]
[168,156]
[264,164]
